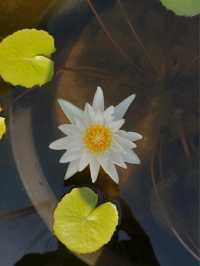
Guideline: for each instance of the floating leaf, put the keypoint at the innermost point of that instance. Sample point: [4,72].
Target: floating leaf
[2,127]
[24,58]
[183,7]
[80,225]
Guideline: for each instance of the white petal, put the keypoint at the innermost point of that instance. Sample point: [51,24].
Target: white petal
[124,142]
[86,117]
[89,111]
[69,142]
[116,125]
[70,110]
[69,129]
[72,169]
[131,157]
[80,124]
[135,136]
[98,101]
[84,161]
[59,144]
[132,136]
[99,118]
[70,156]
[118,160]
[93,116]
[122,107]
[116,147]
[94,169]
[75,144]
[108,113]
[109,168]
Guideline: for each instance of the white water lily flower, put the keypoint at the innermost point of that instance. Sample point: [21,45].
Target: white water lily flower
[95,138]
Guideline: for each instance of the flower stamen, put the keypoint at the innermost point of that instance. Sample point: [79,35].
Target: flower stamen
[98,138]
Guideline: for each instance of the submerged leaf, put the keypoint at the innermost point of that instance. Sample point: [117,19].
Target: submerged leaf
[24,58]
[80,225]
[183,7]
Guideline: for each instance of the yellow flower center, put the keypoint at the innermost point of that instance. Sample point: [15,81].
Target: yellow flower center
[98,138]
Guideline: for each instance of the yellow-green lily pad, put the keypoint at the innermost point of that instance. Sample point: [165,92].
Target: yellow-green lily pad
[183,7]
[81,225]
[2,127]
[25,58]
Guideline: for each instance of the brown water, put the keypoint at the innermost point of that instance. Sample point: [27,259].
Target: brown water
[126,47]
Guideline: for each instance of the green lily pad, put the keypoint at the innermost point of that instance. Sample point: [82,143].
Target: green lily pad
[2,127]
[24,58]
[183,7]
[82,226]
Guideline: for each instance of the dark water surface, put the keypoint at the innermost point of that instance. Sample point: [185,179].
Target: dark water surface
[158,200]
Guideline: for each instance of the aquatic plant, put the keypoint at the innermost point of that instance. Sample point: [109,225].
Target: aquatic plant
[25,58]
[138,44]
[183,7]
[80,224]
[2,125]
[95,138]
[89,70]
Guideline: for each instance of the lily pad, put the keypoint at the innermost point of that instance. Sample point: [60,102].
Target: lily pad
[82,226]
[25,58]
[183,7]
[2,127]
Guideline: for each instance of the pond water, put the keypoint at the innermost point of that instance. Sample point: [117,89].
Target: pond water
[125,47]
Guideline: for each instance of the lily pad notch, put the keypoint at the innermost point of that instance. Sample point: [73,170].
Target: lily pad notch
[81,225]
[25,58]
